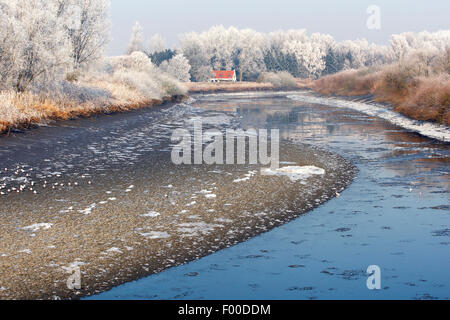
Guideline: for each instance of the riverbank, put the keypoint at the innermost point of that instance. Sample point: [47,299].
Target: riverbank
[417,97]
[117,84]
[27,110]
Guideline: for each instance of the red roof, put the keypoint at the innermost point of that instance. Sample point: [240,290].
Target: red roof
[224,74]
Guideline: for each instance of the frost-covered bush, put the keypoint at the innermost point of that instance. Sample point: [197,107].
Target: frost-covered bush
[280,80]
[73,92]
[137,73]
[178,67]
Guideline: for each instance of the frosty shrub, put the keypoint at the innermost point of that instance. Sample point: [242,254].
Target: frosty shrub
[280,80]
[136,73]
[178,67]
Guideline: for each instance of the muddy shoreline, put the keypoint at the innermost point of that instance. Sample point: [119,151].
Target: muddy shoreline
[153,225]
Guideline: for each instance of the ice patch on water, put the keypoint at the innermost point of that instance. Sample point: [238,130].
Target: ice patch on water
[38,226]
[224,220]
[114,250]
[155,235]
[88,210]
[246,177]
[428,129]
[151,214]
[194,228]
[294,173]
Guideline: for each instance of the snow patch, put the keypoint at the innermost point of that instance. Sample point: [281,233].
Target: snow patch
[246,177]
[38,226]
[294,173]
[151,214]
[114,250]
[193,229]
[88,210]
[155,235]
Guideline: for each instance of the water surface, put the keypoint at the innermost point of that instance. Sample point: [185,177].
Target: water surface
[395,215]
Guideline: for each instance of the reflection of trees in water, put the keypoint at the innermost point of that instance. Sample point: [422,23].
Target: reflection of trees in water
[405,154]
[283,117]
[331,128]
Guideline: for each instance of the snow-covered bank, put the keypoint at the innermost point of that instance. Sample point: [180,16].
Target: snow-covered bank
[428,129]
[116,84]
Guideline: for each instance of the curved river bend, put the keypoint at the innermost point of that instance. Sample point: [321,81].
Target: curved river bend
[99,174]
[395,215]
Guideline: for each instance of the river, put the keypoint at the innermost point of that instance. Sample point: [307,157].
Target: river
[101,194]
[395,215]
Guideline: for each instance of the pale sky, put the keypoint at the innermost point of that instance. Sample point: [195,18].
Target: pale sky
[343,19]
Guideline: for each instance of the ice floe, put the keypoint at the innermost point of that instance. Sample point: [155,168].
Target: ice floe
[294,173]
[194,228]
[151,214]
[114,250]
[88,210]
[246,177]
[38,226]
[155,235]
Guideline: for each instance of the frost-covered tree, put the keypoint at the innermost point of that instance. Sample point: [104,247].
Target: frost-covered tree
[155,45]
[405,44]
[249,59]
[310,53]
[199,58]
[137,39]
[157,51]
[178,67]
[40,40]
[87,24]
[12,41]
[43,46]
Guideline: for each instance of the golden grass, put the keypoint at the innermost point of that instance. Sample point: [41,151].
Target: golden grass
[23,110]
[420,98]
[208,87]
